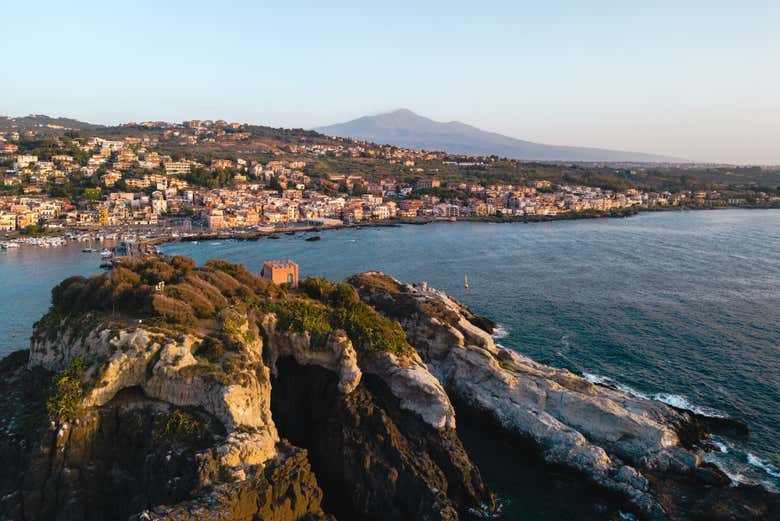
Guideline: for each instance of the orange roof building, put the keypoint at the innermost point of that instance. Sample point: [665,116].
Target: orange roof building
[281,272]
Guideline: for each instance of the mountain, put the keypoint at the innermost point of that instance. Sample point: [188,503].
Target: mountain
[406,129]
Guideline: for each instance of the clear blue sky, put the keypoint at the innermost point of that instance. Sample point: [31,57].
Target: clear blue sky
[699,80]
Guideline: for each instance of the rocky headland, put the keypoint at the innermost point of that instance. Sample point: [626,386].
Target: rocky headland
[161,390]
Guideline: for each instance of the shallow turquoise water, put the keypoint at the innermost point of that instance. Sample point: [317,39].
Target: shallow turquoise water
[681,306]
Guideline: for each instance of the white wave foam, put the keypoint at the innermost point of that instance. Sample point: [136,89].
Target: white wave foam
[757,462]
[721,446]
[499,332]
[675,400]
[627,516]
[681,402]
[606,381]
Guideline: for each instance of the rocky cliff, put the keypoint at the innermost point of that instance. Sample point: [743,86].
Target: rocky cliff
[165,391]
[157,391]
[644,450]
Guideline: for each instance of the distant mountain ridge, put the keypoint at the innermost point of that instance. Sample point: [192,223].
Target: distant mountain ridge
[406,129]
[35,121]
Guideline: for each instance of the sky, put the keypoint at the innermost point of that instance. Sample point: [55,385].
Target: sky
[692,79]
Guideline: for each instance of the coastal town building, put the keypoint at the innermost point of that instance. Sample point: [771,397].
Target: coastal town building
[281,272]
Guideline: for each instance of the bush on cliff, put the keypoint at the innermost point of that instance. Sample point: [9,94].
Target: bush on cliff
[66,391]
[173,310]
[363,324]
[301,315]
[367,328]
[180,427]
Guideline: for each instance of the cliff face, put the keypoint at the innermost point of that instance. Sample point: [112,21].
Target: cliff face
[169,403]
[169,392]
[642,449]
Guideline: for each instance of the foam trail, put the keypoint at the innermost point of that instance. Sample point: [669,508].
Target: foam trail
[757,462]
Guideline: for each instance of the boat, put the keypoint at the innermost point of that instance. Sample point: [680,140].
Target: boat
[273,236]
[88,250]
[312,239]
[289,233]
[106,254]
[466,281]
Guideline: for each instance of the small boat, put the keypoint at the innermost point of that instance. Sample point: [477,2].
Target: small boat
[466,281]
[88,250]
[289,233]
[106,254]
[312,239]
[273,236]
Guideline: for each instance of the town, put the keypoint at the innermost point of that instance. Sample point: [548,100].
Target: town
[220,177]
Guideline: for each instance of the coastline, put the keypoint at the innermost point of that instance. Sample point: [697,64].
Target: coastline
[254,235]
[144,238]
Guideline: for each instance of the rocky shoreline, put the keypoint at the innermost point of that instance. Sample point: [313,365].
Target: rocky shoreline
[223,396]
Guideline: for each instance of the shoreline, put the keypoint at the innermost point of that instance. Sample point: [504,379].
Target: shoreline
[153,235]
[254,235]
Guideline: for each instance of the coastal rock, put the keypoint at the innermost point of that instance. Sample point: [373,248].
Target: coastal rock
[622,442]
[413,384]
[375,459]
[165,368]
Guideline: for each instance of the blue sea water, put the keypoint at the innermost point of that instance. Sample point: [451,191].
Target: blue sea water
[678,306]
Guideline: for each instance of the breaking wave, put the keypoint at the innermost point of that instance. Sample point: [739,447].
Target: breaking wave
[500,332]
[675,400]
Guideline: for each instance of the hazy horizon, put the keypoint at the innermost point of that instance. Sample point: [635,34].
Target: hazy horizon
[696,81]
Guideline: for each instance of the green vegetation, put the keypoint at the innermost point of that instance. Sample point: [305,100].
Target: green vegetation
[180,428]
[34,230]
[221,302]
[67,391]
[366,327]
[363,324]
[301,315]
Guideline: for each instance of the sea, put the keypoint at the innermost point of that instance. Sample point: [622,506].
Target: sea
[681,307]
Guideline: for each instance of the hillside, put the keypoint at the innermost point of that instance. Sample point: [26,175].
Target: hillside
[406,129]
[41,122]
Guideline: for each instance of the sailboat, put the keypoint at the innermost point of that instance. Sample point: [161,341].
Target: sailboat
[466,281]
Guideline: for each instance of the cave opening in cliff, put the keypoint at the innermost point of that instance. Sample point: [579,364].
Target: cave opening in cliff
[303,402]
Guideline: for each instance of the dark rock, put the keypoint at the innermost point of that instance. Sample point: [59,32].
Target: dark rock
[374,460]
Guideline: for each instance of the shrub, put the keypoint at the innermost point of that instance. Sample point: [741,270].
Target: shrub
[157,271]
[183,264]
[226,284]
[66,392]
[210,349]
[180,427]
[122,275]
[173,310]
[199,303]
[367,328]
[339,295]
[316,287]
[64,294]
[208,289]
[343,295]
[301,315]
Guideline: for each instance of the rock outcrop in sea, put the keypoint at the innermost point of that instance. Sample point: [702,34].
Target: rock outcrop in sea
[165,391]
